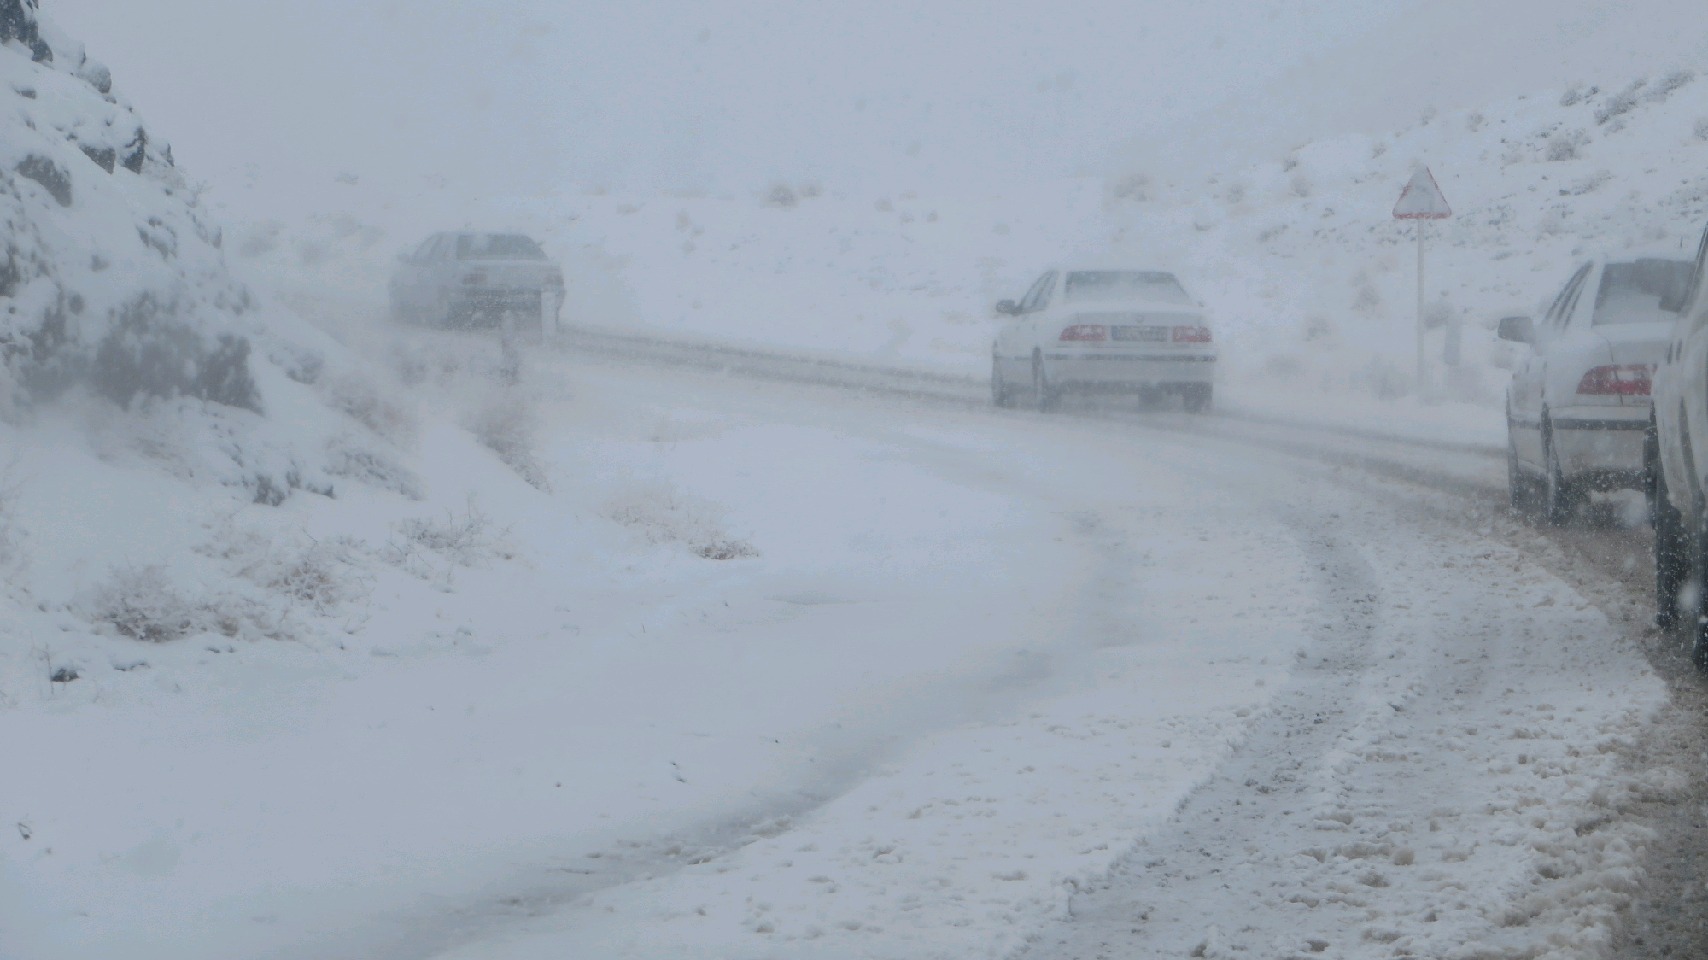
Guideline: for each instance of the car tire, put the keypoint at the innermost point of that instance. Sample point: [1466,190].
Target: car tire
[1559,497]
[1672,544]
[1044,396]
[1696,628]
[1198,397]
[1000,394]
[1518,486]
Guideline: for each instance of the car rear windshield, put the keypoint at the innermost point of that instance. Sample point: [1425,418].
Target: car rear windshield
[1154,286]
[1642,291]
[498,246]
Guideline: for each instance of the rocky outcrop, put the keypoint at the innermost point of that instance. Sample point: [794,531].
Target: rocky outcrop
[110,273]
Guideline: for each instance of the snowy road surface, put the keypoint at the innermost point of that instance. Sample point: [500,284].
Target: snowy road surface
[973,685]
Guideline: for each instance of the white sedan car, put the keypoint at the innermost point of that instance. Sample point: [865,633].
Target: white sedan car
[1578,403]
[1103,331]
[477,279]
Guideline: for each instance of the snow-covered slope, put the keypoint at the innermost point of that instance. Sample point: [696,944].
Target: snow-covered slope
[1312,281]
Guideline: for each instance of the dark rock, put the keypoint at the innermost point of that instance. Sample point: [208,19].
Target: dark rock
[65,675]
[105,157]
[136,151]
[47,173]
[150,352]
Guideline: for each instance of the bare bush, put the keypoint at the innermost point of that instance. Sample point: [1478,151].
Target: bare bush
[1564,145]
[664,515]
[1621,103]
[782,195]
[506,424]
[321,574]
[142,603]
[1134,187]
[359,459]
[468,540]
[1366,299]
[363,401]
[1668,85]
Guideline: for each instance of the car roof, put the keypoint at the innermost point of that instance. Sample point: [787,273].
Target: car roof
[1646,253]
[1094,267]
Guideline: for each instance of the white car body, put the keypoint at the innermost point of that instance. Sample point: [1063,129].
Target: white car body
[1579,400]
[1677,461]
[1103,330]
[464,279]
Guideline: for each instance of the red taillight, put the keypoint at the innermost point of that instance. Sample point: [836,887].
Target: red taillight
[1617,380]
[1085,333]
[1191,334]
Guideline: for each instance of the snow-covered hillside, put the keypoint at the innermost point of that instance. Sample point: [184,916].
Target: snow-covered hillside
[1312,281]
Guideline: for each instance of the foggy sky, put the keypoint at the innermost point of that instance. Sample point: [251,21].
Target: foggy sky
[528,97]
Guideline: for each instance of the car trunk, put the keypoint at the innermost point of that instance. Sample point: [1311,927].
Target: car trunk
[1632,344]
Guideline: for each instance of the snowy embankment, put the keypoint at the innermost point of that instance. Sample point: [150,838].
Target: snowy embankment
[1311,281]
[950,674]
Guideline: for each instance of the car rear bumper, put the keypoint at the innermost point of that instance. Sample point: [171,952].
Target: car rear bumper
[487,306]
[1122,371]
[1601,446]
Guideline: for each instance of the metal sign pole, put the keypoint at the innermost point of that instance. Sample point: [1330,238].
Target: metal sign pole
[1422,231]
[1422,201]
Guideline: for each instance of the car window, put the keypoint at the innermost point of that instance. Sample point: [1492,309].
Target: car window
[1035,294]
[441,244]
[1150,285]
[1641,291]
[1049,291]
[424,250]
[1567,299]
[1692,308]
[497,246]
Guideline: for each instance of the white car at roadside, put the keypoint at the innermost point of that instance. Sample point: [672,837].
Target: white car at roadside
[1578,403]
[1100,330]
[1676,456]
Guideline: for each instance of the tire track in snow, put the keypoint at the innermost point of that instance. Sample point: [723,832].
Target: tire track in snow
[1411,805]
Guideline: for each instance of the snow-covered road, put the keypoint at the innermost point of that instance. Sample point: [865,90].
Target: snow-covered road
[973,684]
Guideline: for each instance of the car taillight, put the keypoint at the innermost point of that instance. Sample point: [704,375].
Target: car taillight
[1085,333]
[1617,380]
[474,278]
[1191,334]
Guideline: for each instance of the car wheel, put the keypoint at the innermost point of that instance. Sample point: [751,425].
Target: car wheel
[1692,614]
[1198,397]
[1672,557]
[999,392]
[1518,491]
[1044,395]
[1559,497]
[1672,546]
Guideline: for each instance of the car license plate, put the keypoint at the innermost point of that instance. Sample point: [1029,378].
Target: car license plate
[1141,334]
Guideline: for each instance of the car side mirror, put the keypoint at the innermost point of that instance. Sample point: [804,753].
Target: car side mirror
[1517,329]
[1008,308]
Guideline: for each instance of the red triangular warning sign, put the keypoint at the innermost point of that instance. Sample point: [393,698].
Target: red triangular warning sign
[1422,199]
